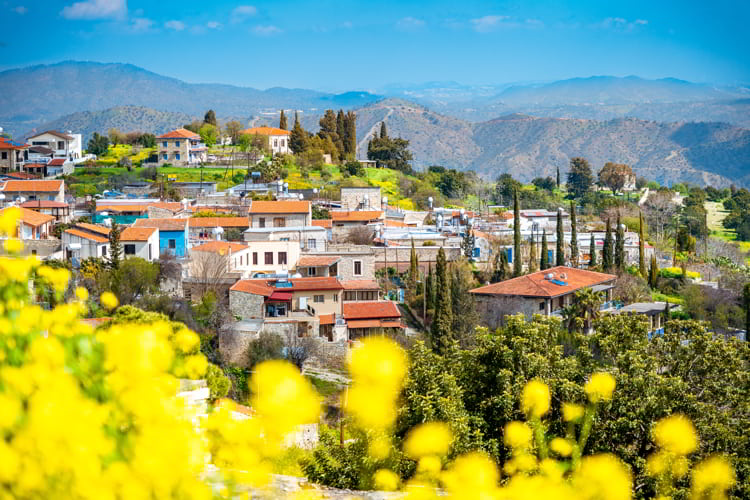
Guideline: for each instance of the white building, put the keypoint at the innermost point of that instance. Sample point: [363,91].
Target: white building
[270,257]
[53,190]
[278,139]
[140,242]
[86,240]
[66,146]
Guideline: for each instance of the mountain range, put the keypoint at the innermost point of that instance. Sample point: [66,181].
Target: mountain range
[668,130]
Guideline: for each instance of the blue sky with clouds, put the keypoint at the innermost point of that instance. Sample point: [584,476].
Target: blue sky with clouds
[363,45]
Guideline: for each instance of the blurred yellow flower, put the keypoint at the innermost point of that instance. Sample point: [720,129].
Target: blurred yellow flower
[473,475]
[378,361]
[386,480]
[278,386]
[535,398]
[675,434]
[517,435]
[195,366]
[186,341]
[432,438]
[713,475]
[13,245]
[561,446]
[9,221]
[380,447]
[429,465]
[602,477]
[572,412]
[10,410]
[81,293]
[600,387]
[108,300]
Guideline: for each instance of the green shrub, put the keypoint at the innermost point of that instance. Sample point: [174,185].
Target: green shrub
[676,272]
[218,383]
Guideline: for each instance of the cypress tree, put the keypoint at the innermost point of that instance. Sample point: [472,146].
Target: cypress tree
[653,272]
[115,249]
[429,288]
[440,331]
[501,271]
[619,246]
[641,246]
[383,130]
[413,269]
[517,269]
[666,311]
[544,261]
[532,255]
[282,120]
[560,247]
[746,304]
[557,179]
[350,135]
[298,137]
[592,252]
[607,250]
[573,236]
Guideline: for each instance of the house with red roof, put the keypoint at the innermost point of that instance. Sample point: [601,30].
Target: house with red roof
[180,147]
[86,240]
[32,225]
[544,292]
[24,190]
[278,139]
[140,242]
[12,155]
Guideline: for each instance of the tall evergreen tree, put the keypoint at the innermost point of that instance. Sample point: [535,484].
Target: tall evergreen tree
[467,244]
[544,260]
[297,137]
[560,246]
[413,269]
[532,255]
[592,252]
[383,130]
[429,287]
[557,178]
[641,247]
[210,118]
[441,330]
[653,272]
[607,256]
[282,120]
[464,312]
[350,134]
[580,177]
[573,236]
[517,268]
[619,246]
[115,248]
[501,270]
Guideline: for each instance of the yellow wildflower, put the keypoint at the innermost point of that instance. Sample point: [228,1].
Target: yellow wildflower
[278,386]
[572,412]
[561,446]
[714,475]
[108,300]
[429,465]
[551,468]
[602,477]
[82,294]
[600,387]
[517,435]
[195,366]
[675,434]
[186,341]
[473,475]
[9,221]
[378,361]
[10,410]
[432,438]
[13,245]
[380,447]
[656,464]
[535,398]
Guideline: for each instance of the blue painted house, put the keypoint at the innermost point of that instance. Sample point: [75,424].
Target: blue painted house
[173,234]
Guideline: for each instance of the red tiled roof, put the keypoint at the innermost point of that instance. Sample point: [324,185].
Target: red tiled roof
[121,208]
[317,260]
[327,319]
[371,310]
[31,205]
[265,131]
[266,287]
[29,186]
[220,247]
[94,227]
[174,206]
[6,144]
[162,224]
[57,162]
[137,233]
[87,236]
[219,222]
[360,285]
[327,223]
[180,133]
[256,287]
[30,217]
[21,175]
[358,216]
[535,284]
[280,207]
[373,323]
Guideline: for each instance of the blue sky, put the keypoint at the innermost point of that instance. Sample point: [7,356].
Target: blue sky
[331,45]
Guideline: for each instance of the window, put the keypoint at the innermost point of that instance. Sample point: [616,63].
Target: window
[60,145]
[164,144]
[357,268]
[177,144]
[104,251]
[5,155]
[269,258]
[319,299]
[283,141]
[187,292]
[261,222]
[177,156]
[275,143]
[283,239]
[279,222]
[282,258]
[129,249]
[165,157]
[240,259]
[311,243]
[335,297]
[311,271]
[350,296]
[255,258]
[541,306]
[149,251]
[172,244]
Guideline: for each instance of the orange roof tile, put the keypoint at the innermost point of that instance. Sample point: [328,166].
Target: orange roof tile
[327,319]
[29,186]
[395,223]
[265,131]
[43,204]
[536,285]
[317,260]
[174,206]
[219,222]
[327,223]
[220,247]
[280,207]
[360,285]
[371,310]
[94,227]
[162,224]
[87,236]
[180,133]
[137,233]
[373,323]
[266,287]
[32,218]
[358,216]
[52,132]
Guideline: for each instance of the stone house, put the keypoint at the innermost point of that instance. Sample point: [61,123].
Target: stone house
[180,147]
[361,198]
[347,262]
[279,214]
[12,155]
[57,209]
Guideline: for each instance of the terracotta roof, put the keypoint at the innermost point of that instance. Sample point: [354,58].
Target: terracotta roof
[481,234]
[87,236]
[219,222]
[373,323]
[536,285]
[358,216]
[327,223]
[265,131]
[20,175]
[56,162]
[280,207]
[94,228]
[395,223]
[162,224]
[360,285]
[121,208]
[136,233]
[53,132]
[180,133]
[371,310]
[256,287]
[43,204]
[8,144]
[317,260]
[31,217]
[174,206]
[266,287]
[220,247]
[32,186]
[327,319]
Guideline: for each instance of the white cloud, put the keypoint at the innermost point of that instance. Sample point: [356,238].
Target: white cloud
[141,24]
[488,23]
[96,9]
[20,10]
[621,24]
[242,12]
[410,23]
[266,30]
[213,25]
[642,22]
[175,25]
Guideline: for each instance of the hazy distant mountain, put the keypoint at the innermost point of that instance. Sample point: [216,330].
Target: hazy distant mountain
[32,96]
[528,147]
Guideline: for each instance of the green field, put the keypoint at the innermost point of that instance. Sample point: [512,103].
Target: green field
[716,215]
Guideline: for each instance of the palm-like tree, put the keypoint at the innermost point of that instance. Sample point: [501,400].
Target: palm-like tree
[580,315]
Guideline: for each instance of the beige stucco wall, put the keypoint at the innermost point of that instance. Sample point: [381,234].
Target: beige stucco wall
[290,220]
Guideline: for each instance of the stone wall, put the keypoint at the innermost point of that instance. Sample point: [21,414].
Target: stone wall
[402,256]
[42,248]
[233,345]
[492,309]
[159,213]
[352,198]
[246,305]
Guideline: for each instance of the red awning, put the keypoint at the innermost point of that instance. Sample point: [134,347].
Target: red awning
[280,296]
